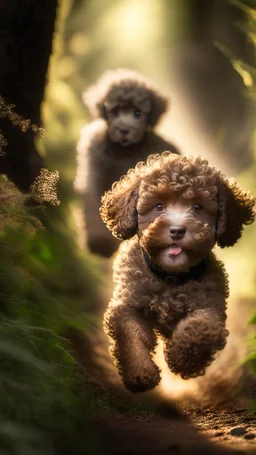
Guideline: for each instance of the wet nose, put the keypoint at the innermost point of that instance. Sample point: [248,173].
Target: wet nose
[124,132]
[177,232]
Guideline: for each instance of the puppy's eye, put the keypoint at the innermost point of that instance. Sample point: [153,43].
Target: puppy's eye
[137,113]
[115,111]
[197,208]
[159,207]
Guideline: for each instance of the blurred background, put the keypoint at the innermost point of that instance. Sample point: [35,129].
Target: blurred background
[203,54]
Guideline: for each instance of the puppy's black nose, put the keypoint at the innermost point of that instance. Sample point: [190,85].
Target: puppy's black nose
[124,132]
[177,232]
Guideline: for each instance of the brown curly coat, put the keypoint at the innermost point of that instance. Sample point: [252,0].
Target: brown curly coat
[189,316]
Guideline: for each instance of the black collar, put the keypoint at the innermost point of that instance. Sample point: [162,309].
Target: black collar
[181,278]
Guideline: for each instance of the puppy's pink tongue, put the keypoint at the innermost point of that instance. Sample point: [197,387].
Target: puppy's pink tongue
[174,250]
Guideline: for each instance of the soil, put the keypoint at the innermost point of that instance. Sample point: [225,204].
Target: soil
[193,432]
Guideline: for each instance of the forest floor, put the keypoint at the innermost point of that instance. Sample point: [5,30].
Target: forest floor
[194,432]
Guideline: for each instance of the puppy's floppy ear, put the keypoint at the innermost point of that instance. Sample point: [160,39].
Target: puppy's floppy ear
[118,210]
[159,104]
[236,209]
[93,98]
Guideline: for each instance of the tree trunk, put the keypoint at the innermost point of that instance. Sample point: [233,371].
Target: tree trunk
[26,33]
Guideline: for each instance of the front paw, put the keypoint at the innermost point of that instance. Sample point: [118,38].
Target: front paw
[189,362]
[190,357]
[144,378]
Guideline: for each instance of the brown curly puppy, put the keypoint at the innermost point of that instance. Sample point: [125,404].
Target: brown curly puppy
[168,282]
[125,108]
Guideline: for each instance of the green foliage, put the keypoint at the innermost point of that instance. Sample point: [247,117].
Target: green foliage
[12,208]
[44,288]
[249,75]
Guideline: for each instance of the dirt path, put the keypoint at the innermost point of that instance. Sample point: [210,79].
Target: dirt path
[236,428]
[195,433]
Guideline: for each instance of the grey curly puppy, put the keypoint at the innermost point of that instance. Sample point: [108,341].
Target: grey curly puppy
[125,108]
[169,284]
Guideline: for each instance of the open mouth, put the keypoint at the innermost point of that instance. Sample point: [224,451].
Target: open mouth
[174,250]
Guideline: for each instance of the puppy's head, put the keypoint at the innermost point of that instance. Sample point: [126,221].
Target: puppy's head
[128,103]
[179,207]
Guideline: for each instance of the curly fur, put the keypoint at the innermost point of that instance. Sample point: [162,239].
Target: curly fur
[100,161]
[123,86]
[190,317]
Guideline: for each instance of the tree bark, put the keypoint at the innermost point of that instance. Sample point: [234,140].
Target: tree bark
[26,33]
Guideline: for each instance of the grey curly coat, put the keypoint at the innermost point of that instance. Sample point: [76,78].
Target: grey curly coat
[103,158]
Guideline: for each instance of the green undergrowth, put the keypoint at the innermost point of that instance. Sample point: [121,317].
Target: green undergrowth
[46,289]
